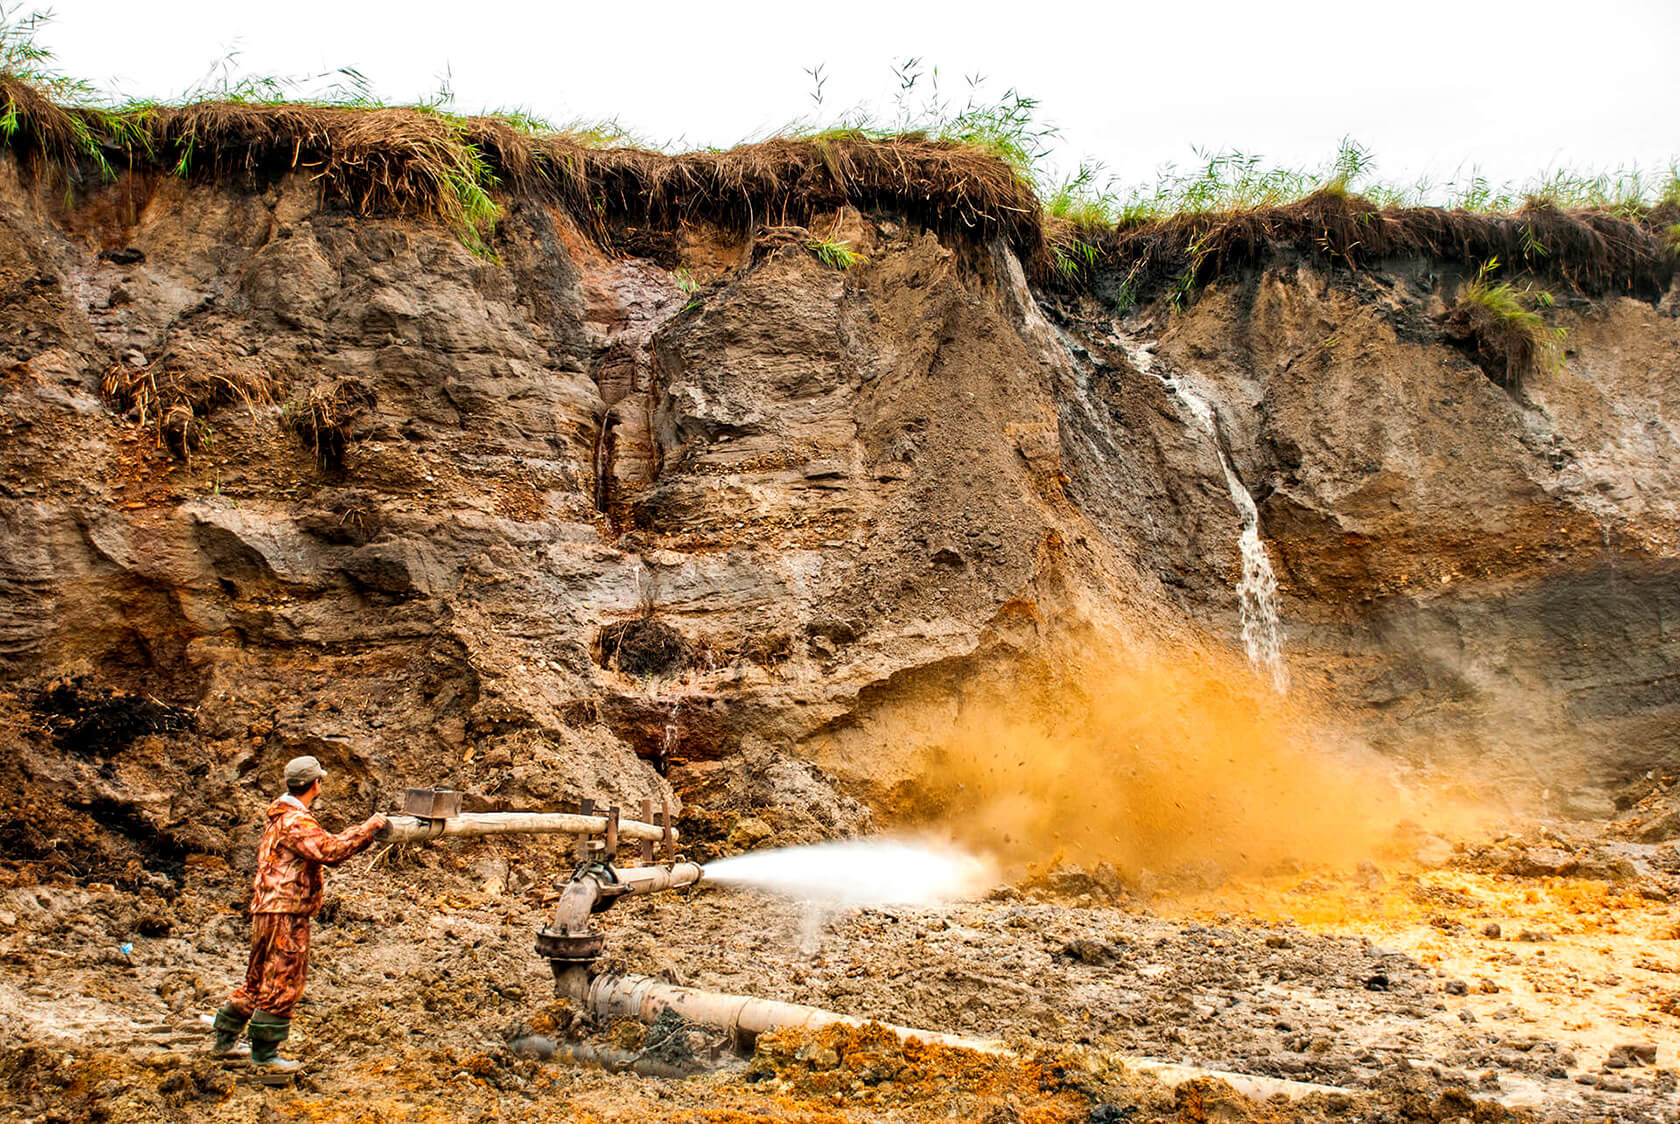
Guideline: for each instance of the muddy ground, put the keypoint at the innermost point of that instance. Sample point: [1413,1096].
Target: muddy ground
[1493,979]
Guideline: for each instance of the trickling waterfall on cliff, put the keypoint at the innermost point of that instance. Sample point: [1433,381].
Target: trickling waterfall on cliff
[1257,592]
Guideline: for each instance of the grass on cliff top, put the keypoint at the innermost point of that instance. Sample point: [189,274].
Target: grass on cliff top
[972,165]
[1589,230]
[962,170]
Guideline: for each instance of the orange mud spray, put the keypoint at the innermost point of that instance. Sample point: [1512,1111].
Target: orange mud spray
[1155,763]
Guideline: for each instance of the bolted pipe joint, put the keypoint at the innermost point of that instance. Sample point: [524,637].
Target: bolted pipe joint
[571,943]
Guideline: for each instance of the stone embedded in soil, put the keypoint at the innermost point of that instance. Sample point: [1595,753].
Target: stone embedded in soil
[1533,862]
[1629,1055]
[1091,952]
[1664,827]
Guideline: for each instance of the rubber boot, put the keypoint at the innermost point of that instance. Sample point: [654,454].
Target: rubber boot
[229,1025]
[267,1033]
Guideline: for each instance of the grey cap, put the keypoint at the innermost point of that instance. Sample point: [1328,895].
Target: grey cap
[302,770]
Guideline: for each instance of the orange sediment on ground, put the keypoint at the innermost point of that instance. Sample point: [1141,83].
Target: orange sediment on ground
[1589,962]
[839,1075]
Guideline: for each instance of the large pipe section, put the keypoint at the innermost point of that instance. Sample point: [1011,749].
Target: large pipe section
[645,998]
[414,829]
[652,879]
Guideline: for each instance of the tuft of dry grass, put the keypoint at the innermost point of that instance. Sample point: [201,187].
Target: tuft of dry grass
[36,125]
[943,185]
[1593,252]
[176,392]
[406,161]
[642,646]
[327,419]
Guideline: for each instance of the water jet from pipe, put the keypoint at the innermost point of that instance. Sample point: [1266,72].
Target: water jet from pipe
[857,873]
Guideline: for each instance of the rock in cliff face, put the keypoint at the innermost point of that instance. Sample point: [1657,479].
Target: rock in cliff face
[561,523]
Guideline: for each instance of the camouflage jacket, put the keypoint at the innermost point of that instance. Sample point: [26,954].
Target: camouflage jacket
[291,854]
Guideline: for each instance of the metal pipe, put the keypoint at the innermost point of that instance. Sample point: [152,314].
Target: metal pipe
[652,879]
[594,888]
[570,943]
[413,829]
[644,998]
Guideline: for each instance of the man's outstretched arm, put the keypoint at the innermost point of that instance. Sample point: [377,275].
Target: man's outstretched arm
[317,844]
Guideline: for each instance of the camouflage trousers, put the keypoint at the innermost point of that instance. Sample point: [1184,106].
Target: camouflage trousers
[279,964]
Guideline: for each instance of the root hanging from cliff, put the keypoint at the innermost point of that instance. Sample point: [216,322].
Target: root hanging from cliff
[1185,763]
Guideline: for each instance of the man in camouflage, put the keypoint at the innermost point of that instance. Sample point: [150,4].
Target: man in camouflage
[288,884]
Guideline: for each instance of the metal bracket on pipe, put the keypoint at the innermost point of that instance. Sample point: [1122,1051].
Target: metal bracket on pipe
[432,807]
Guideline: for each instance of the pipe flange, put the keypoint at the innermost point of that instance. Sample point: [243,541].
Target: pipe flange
[563,949]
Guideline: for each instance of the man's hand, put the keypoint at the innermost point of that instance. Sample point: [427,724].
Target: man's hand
[378,821]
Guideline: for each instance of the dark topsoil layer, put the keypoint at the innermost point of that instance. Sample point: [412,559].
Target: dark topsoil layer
[398,160]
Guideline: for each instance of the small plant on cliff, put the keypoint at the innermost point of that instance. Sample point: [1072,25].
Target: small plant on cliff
[1500,324]
[1078,214]
[1006,127]
[835,255]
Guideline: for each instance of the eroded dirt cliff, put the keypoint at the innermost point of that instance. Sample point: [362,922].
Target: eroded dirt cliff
[563,522]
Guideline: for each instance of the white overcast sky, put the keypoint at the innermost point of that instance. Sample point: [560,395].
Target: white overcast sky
[1432,87]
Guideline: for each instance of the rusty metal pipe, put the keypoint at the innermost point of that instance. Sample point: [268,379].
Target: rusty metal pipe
[645,998]
[413,829]
[594,888]
[571,943]
[652,879]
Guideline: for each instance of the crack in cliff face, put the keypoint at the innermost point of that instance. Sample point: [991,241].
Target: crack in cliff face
[627,301]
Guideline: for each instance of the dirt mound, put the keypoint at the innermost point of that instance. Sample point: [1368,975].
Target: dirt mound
[97,721]
[643,646]
[871,1065]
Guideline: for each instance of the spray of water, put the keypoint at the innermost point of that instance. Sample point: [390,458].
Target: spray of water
[1257,593]
[863,872]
